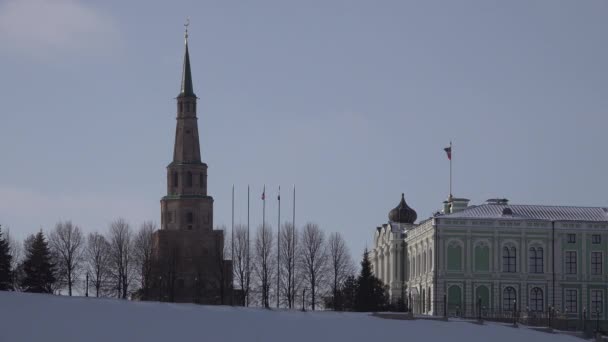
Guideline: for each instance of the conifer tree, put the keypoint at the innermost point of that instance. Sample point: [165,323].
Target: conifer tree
[5,265]
[38,268]
[371,293]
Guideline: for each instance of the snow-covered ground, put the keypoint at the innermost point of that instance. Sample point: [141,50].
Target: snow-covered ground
[32,317]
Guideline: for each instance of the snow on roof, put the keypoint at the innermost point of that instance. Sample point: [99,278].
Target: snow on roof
[533,212]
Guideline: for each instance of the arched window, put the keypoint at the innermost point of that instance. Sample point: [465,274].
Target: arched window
[189,179]
[508,299]
[423,262]
[175,179]
[482,258]
[509,259]
[483,293]
[536,299]
[430,260]
[201,181]
[454,299]
[454,257]
[189,217]
[536,260]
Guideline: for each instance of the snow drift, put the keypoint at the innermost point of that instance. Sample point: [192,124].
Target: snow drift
[34,317]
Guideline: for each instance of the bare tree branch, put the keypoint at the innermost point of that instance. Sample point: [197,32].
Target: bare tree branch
[313,260]
[67,242]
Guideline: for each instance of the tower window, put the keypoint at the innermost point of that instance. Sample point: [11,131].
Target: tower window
[181,107]
[202,180]
[189,179]
[175,179]
[194,107]
[189,217]
[170,217]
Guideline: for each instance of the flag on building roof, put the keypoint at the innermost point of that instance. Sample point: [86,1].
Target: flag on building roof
[448,151]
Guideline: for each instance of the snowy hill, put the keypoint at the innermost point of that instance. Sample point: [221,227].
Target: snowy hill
[32,317]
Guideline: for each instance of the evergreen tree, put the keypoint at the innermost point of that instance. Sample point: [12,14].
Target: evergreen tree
[5,265]
[38,268]
[348,293]
[371,292]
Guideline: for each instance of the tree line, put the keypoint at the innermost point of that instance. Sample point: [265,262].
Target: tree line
[109,264]
[300,268]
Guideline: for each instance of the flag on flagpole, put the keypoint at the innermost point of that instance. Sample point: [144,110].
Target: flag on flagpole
[448,151]
[279,194]
[264,194]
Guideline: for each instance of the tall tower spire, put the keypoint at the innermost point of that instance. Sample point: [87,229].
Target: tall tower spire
[186,88]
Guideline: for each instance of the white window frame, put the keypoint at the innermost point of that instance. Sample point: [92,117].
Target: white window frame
[566,306]
[566,263]
[601,263]
[591,301]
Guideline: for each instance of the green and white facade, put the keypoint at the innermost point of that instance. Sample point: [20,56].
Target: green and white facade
[528,257]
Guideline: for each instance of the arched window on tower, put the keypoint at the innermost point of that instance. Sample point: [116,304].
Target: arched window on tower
[201,181]
[175,179]
[189,179]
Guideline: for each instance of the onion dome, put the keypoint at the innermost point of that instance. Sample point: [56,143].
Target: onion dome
[402,213]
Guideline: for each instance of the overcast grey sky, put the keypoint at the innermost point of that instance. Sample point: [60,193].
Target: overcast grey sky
[352,101]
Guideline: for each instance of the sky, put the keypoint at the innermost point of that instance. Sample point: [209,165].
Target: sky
[350,101]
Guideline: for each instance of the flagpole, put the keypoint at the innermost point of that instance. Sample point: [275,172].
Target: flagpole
[248,255]
[279,248]
[451,155]
[232,250]
[293,247]
[265,295]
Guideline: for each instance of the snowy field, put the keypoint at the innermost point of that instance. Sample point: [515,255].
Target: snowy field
[32,317]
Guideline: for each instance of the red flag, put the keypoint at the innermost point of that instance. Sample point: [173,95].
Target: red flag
[448,151]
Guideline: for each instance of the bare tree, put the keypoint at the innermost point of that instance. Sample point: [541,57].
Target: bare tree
[313,259]
[289,243]
[341,265]
[121,257]
[142,255]
[97,258]
[14,248]
[67,242]
[240,260]
[264,264]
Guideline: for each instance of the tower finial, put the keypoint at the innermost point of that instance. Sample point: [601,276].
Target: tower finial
[186,27]
[186,87]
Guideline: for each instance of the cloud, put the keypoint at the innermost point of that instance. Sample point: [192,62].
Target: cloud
[49,27]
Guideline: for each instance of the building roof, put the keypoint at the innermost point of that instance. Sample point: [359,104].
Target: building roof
[532,212]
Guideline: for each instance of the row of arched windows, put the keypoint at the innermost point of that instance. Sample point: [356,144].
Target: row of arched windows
[421,263]
[509,299]
[482,258]
[188,179]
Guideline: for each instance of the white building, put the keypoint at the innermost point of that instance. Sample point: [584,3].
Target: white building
[503,256]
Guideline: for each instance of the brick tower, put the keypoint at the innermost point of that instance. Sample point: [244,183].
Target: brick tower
[188,260]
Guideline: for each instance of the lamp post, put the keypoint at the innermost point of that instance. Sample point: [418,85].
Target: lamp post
[160,288]
[515,312]
[584,318]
